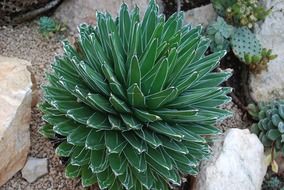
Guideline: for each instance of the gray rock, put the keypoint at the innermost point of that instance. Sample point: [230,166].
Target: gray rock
[34,169]
[201,15]
[269,85]
[237,163]
[75,12]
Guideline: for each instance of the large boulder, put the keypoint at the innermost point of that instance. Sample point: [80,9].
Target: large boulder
[15,114]
[75,12]
[238,162]
[201,15]
[269,84]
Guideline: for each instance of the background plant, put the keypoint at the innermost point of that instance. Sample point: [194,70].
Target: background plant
[241,40]
[221,6]
[270,127]
[259,62]
[241,12]
[248,49]
[220,33]
[272,183]
[134,100]
[48,26]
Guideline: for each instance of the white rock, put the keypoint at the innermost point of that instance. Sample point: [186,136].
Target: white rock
[201,15]
[75,12]
[15,114]
[34,169]
[269,84]
[237,163]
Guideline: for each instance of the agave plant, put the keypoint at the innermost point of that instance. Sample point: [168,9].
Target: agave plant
[134,101]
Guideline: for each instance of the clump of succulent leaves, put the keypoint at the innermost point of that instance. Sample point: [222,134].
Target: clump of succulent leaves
[134,101]
[257,63]
[241,12]
[48,26]
[270,125]
[273,183]
[219,33]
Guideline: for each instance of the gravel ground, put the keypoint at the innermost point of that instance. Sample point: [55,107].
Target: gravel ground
[25,42]
[237,120]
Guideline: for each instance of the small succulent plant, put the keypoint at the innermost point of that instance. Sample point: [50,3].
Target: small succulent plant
[246,13]
[220,33]
[241,12]
[257,63]
[134,102]
[270,126]
[48,26]
[272,183]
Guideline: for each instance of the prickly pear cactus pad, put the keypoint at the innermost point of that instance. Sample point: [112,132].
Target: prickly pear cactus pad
[270,126]
[245,42]
[133,100]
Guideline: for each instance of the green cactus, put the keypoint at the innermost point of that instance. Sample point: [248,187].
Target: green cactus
[248,49]
[270,125]
[219,32]
[244,42]
[135,101]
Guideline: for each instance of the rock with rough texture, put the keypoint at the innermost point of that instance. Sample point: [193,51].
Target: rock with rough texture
[75,12]
[34,169]
[237,163]
[200,15]
[269,85]
[15,114]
